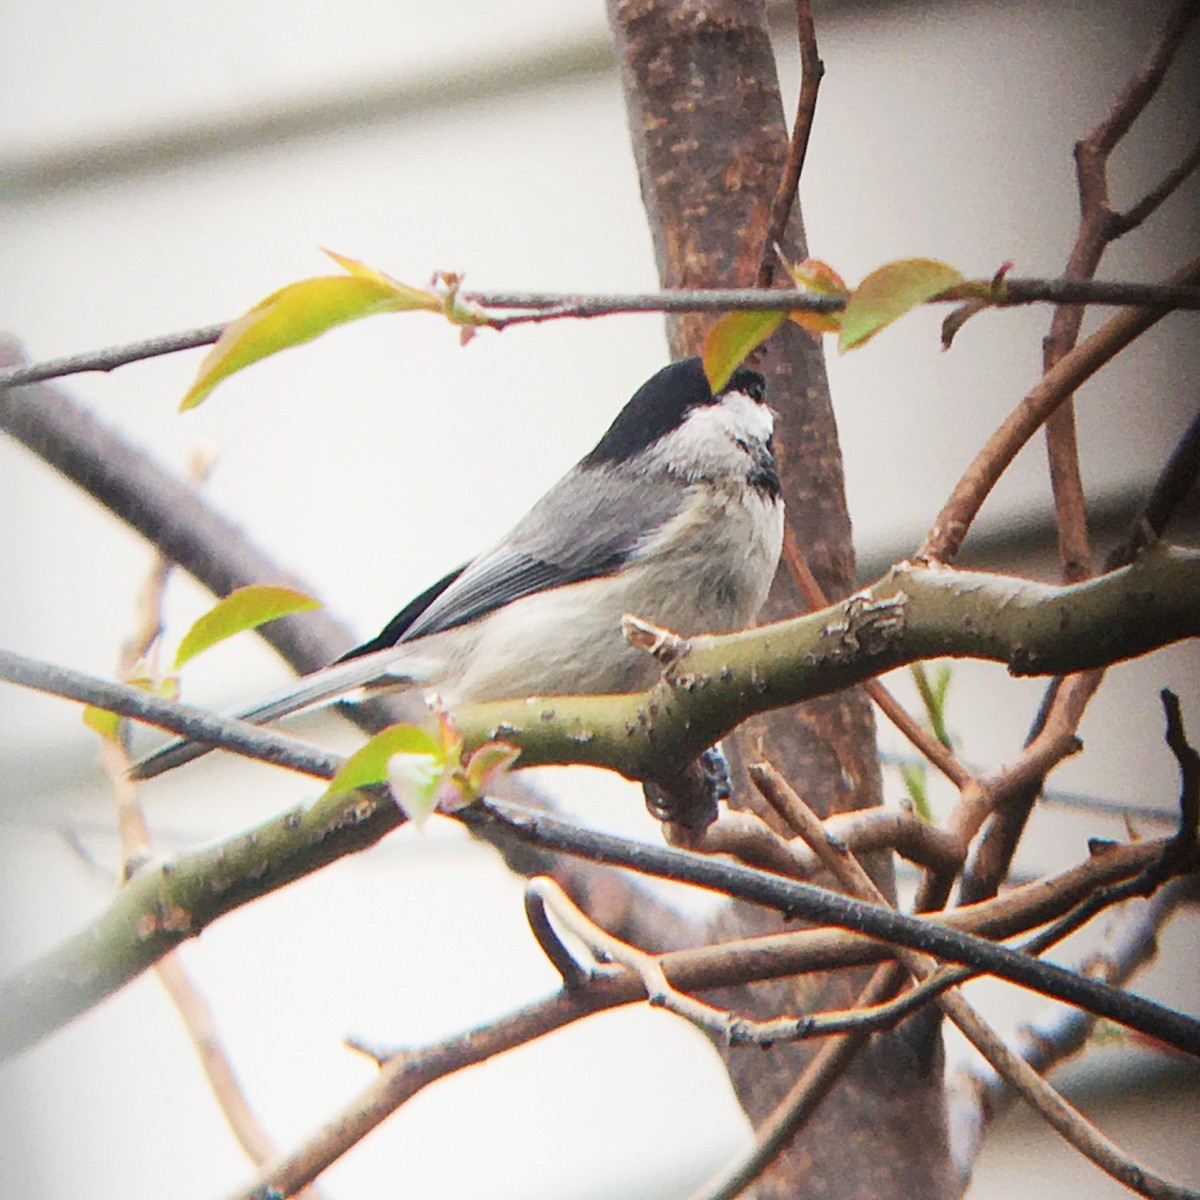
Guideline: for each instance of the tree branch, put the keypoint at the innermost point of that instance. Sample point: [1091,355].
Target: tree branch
[513,308]
[405,1073]
[166,511]
[168,902]
[811,71]
[950,527]
[912,613]
[1064,1118]
[977,1095]
[1097,230]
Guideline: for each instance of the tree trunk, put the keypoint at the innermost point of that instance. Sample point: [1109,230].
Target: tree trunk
[711,143]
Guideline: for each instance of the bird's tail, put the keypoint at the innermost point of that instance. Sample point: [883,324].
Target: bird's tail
[389,668]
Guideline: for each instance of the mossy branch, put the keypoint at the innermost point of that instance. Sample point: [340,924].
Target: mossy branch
[913,613]
[711,684]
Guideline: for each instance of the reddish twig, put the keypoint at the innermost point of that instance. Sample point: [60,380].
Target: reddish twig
[1097,228]
[1066,700]
[1057,1112]
[812,69]
[950,527]
[748,838]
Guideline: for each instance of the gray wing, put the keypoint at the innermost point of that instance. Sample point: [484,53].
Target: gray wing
[587,525]
[551,546]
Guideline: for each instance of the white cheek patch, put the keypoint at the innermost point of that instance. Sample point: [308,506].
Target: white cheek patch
[745,415]
[714,437]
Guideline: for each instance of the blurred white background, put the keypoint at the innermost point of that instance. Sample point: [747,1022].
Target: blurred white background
[166,165]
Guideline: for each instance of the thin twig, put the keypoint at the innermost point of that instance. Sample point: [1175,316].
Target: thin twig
[1096,231]
[1189,774]
[647,967]
[1047,1102]
[1140,90]
[173,517]
[186,720]
[747,837]
[950,527]
[977,1094]
[1066,700]
[811,71]
[112,357]
[538,891]
[189,1003]
[1174,483]
[1136,214]
[802,1099]
[1018,785]
[811,903]
[510,308]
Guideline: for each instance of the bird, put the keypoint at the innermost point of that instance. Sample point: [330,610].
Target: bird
[675,516]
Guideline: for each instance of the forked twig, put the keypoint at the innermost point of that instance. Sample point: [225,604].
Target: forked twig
[1045,1100]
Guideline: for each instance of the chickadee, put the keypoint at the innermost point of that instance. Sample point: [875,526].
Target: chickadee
[675,516]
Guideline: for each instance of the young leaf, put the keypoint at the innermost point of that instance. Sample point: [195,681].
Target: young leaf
[486,765]
[410,297]
[369,764]
[914,777]
[300,312]
[100,720]
[107,723]
[889,293]
[244,608]
[415,781]
[731,338]
[822,280]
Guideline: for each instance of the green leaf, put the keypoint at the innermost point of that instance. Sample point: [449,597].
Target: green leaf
[369,764]
[107,723]
[100,720]
[486,765]
[300,312]
[731,338]
[913,775]
[889,293]
[821,279]
[245,608]
[933,698]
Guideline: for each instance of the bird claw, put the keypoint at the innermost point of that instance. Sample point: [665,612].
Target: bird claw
[691,798]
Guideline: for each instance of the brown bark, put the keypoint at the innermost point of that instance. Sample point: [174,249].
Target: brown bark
[711,142]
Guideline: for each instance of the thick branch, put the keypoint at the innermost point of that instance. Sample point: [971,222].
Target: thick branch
[168,902]
[914,612]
